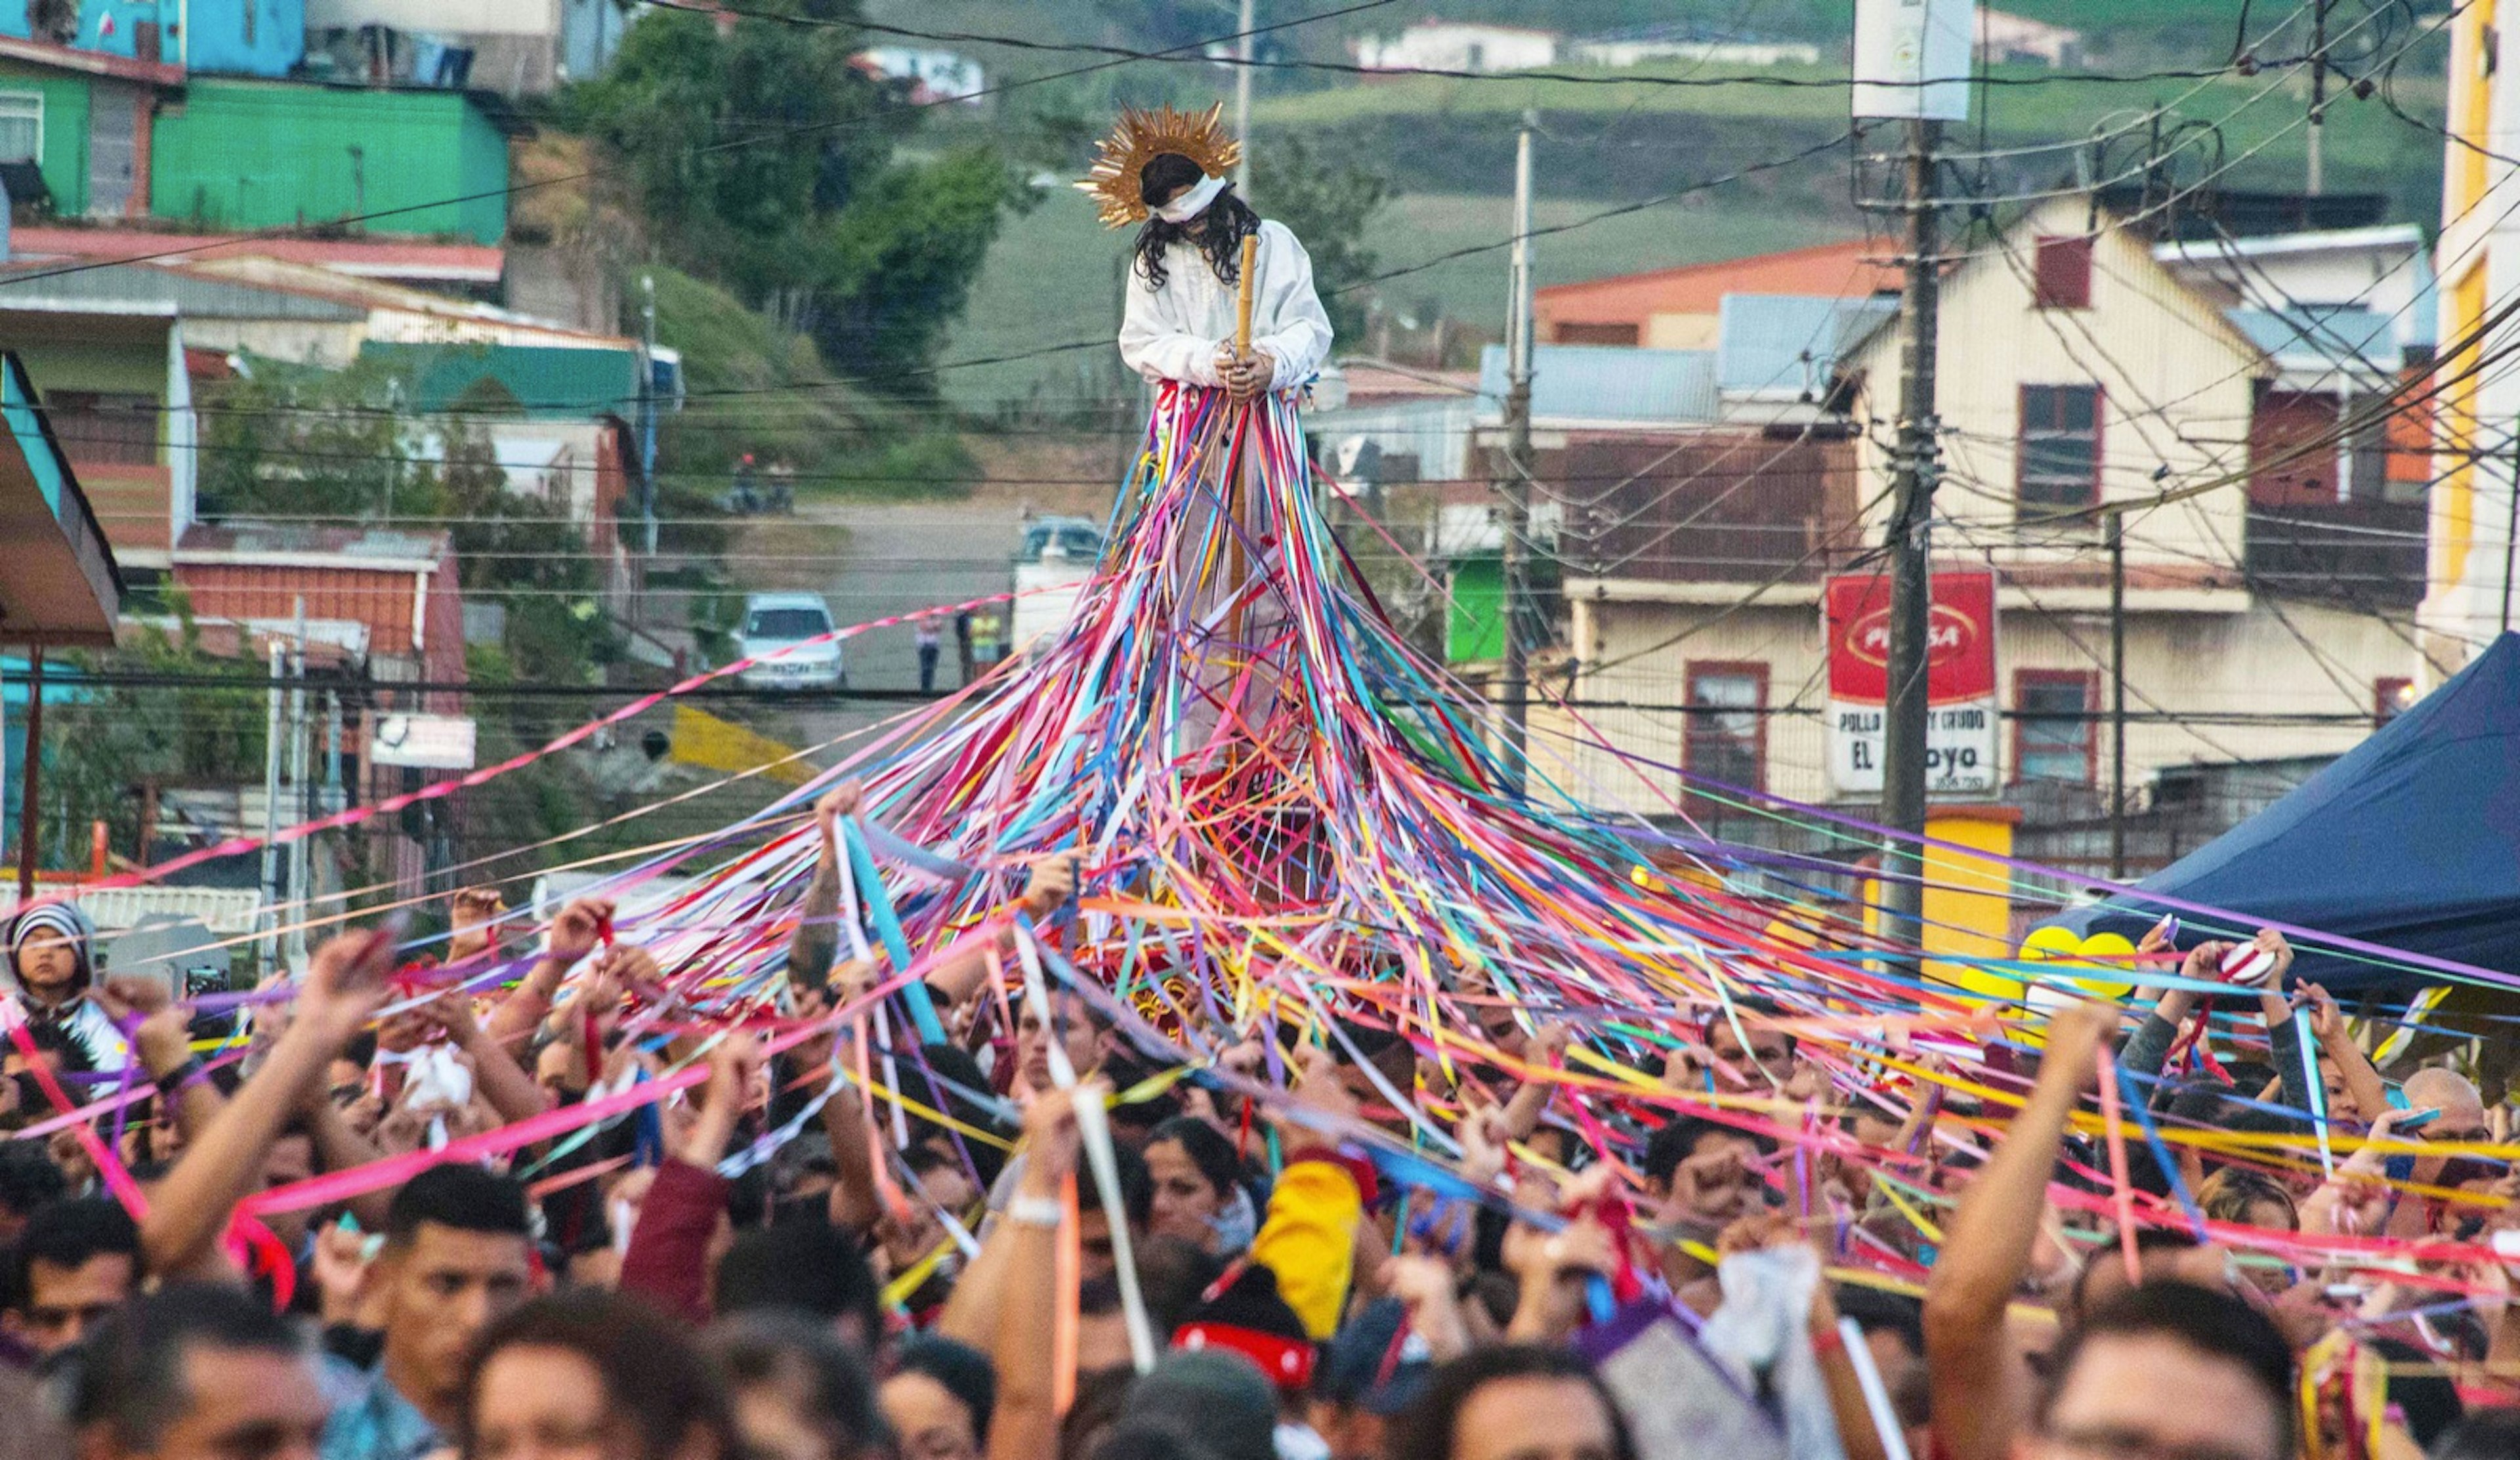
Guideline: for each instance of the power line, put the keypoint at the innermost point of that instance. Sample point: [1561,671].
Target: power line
[845,124]
[2041,77]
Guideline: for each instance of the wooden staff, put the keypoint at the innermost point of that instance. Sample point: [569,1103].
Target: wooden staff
[1238,567]
[1243,298]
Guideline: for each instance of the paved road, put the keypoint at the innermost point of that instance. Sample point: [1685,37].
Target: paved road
[897,557]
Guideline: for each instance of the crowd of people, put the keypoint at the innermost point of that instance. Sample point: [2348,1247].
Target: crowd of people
[351,1229]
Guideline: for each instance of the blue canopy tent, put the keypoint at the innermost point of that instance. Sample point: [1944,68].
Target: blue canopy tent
[2410,840]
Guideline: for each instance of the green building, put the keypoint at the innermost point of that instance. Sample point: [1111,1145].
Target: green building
[80,126]
[245,153]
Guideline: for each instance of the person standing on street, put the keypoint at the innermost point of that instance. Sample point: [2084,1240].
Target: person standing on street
[931,643]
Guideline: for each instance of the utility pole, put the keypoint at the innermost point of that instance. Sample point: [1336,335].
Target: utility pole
[270,949]
[1515,479]
[2117,698]
[31,796]
[648,409]
[300,808]
[1243,101]
[1911,545]
[2318,96]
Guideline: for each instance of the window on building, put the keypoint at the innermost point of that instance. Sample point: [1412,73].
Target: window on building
[251,18]
[21,127]
[1726,736]
[2061,444]
[2053,734]
[2391,697]
[2063,273]
[1596,333]
[2363,451]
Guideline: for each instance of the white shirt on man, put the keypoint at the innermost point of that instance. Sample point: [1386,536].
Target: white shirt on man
[1173,333]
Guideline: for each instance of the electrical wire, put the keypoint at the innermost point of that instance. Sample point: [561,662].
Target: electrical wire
[2044,77]
[804,129]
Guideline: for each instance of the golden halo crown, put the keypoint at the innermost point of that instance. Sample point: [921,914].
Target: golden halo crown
[1139,137]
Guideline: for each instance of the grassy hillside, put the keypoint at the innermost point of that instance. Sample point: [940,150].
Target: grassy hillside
[1639,139]
[1054,276]
[1448,146]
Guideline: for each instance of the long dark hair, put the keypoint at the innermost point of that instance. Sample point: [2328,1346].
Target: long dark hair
[1229,220]
[1208,1151]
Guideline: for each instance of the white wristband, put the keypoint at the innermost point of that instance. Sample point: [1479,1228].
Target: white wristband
[1037,1210]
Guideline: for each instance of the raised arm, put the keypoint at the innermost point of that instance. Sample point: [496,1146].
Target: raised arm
[1531,1098]
[2362,1080]
[856,1203]
[2283,1035]
[1023,1341]
[1047,888]
[163,1042]
[574,935]
[189,1209]
[817,939]
[666,1261]
[1980,1386]
[504,1083]
[2145,1052]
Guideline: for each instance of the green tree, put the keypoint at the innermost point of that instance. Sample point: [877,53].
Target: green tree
[301,440]
[766,161]
[1331,207]
[291,441]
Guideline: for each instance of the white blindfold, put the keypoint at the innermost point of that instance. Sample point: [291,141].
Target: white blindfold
[1192,203]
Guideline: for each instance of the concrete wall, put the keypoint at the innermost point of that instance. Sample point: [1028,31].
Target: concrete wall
[246,37]
[2180,662]
[2176,382]
[241,154]
[2478,261]
[110,26]
[66,100]
[440,16]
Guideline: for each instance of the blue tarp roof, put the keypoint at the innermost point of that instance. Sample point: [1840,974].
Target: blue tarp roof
[2410,840]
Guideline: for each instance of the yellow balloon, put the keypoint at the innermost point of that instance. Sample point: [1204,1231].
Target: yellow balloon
[2101,966]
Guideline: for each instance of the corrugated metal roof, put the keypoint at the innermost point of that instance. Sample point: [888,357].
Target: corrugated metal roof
[350,544]
[387,258]
[1788,342]
[2314,339]
[1608,382]
[226,912]
[123,289]
[1436,432]
[543,382]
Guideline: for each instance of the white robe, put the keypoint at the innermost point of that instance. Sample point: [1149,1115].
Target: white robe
[1173,334]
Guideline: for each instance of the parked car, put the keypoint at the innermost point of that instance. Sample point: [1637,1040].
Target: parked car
[774,621]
